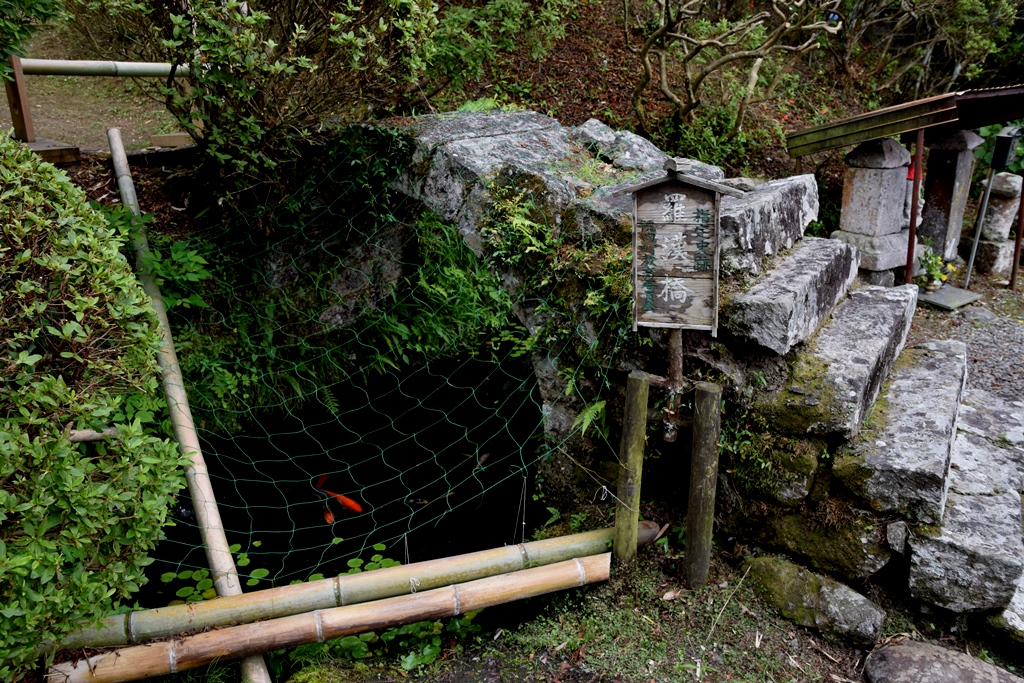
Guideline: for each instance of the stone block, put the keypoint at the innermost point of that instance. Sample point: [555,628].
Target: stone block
[947,182]
[835,379]
[1000,217]
[882,153]
[1006,185]
[896,536]
[996,419]
[873,201]
[811,600]
[877,278]
[741,184]
[765,221]
[973,561]
[900,460]
[853,551]
[880,253]
[694,168]
[993,258]
[786,306]
[1011,620]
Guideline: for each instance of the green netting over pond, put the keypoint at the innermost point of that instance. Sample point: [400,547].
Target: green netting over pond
[361,379]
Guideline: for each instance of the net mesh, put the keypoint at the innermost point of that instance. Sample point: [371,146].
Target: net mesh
[364,384]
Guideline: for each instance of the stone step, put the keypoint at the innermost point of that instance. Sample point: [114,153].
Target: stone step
[786,306]
[765,221]
[836,378]
[974,560]
[900,460]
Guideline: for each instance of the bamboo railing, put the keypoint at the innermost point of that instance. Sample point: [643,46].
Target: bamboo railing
[181,654]
[211,528]
[347,589]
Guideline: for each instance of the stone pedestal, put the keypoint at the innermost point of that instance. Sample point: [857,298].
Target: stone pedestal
[993,258]
[875,189]
[881,253]
[1003,203]
[946,183]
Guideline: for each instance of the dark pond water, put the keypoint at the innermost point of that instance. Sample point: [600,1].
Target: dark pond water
[440,461]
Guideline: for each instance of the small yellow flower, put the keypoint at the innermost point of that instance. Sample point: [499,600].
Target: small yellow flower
[943,278]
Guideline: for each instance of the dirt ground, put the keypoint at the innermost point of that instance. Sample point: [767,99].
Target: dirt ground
[78,110]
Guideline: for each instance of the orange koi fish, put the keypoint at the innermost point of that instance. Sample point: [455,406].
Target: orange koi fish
[328,516]
[345,501]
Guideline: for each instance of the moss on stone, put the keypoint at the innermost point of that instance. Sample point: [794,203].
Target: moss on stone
[837,548]
[807,400]
[792,589]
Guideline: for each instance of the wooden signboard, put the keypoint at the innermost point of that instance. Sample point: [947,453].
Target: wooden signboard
[676,253]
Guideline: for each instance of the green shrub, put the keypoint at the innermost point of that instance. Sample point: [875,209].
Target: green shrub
[78,350]
[263,75]
[18,19]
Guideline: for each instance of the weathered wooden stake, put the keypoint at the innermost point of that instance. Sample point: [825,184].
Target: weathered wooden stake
[17,100]
[703,479]
[675,378]
[631,458]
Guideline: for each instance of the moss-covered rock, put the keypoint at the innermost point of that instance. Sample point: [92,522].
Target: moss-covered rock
[852,549]
[815,601]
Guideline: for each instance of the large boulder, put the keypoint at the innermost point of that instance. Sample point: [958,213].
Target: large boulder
[815,601]
[925,663]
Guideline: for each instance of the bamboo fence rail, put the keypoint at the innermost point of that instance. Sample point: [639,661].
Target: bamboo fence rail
[347,589]
[211,528]
[189,652]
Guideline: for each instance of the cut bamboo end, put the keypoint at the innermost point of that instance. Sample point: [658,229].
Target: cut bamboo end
[348,589]
[181,654]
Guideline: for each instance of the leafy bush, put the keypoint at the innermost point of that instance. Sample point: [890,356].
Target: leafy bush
[17,20]
[78,352]
[262,73]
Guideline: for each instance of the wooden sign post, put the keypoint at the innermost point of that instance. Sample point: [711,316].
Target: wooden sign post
[676,252]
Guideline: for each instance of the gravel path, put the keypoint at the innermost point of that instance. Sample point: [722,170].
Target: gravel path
[993,330]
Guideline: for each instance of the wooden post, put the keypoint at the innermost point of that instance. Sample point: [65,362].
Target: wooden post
[908,276]
[17,100]
[631,459]
[675,378]
[703,479]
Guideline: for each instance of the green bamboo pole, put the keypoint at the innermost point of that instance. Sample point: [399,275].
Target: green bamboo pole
[347,589]
[181,654]
[631,459]
[82,67]
[211,528]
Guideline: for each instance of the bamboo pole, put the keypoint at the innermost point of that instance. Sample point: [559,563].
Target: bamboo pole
[347,589]
[700,515]
[631,461]
[211,528]
[82,67]
[83,435]
[182,654]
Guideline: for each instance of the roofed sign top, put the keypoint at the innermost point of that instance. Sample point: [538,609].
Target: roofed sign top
[676,252]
